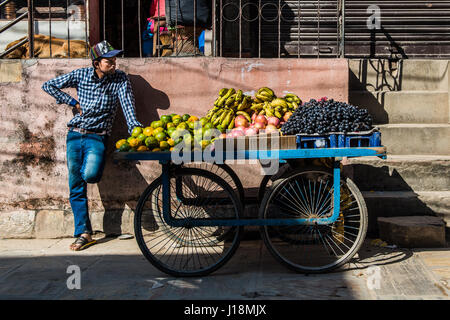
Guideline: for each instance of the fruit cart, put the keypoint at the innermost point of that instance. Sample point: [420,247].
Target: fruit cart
[189,221]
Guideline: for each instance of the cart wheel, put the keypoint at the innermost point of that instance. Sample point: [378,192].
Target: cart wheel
[267,182]
[308,193]
[188,251]
[263,187]
[225,172]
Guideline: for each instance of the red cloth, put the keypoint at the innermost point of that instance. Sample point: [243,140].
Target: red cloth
[154,8]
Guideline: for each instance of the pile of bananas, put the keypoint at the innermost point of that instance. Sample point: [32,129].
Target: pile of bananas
[232,103]
[267,103]
[228,105]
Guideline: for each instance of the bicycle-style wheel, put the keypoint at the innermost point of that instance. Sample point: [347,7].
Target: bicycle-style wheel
[225,172]
[190,250]
[308,193]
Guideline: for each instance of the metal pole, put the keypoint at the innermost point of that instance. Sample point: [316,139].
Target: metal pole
[104,19]
[221,29]
[342,44]
[214,29]
[158,33]
[298,35]
[259,29]
[86,6]
[31,28]
[318,28]
[50,25]
[122,30]
[279,28]
[139,23]
[195,18]
[68,27]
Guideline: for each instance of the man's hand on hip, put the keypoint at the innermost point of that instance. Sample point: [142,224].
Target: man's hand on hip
[77,109]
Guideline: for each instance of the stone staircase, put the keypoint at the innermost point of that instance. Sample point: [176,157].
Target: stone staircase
[409,100]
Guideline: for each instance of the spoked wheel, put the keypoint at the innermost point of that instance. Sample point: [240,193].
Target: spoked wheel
[223,171]
[308,193]
[190,250]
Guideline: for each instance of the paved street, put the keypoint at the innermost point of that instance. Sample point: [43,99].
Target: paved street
[116,269]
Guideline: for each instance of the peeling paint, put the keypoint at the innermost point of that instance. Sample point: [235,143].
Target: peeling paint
[253,65]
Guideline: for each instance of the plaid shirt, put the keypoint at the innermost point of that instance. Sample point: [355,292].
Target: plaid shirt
[98,98]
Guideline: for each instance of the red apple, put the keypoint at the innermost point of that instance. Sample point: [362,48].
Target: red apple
[237,133]
[251,131]
[271,128]
[261,119]
[240,121]
[259,125]
[273,121]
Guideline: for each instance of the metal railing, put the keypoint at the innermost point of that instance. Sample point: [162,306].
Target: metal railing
[29,14]
[239,28]
[248,27]
[259,28]
[70,14]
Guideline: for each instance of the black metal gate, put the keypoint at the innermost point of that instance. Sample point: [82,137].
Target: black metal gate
[278,28]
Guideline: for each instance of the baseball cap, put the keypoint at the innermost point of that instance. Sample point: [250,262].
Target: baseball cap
[103,50]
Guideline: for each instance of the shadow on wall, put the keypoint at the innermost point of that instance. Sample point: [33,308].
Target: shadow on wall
[369,82]
[122,182]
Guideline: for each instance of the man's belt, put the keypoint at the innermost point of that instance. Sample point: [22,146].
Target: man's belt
[84,131]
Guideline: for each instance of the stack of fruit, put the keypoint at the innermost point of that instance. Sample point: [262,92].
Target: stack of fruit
[232,108]
[228,105]
[325,116]
[161,135]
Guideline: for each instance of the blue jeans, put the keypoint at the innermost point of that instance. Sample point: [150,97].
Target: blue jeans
[85,161]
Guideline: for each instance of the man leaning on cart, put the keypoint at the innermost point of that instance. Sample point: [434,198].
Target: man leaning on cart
[99,89]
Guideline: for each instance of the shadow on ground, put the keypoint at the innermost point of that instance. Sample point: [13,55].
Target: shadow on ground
[251,274]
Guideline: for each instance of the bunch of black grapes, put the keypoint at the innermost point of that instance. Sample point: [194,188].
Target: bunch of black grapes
[326,116]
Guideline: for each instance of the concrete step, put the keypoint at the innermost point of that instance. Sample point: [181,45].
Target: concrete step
[413,231]
[403,106]
[405,203]
[420,139]
[401,173]
[411,75]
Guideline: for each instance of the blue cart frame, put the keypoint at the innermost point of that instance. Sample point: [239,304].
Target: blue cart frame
[164,159]
[281,155]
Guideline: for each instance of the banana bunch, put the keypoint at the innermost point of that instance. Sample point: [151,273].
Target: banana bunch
[292,100]
[232,103]
[227,106]
[267,103]
[264,94]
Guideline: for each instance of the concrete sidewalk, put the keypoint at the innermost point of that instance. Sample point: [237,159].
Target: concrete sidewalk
[116,269]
